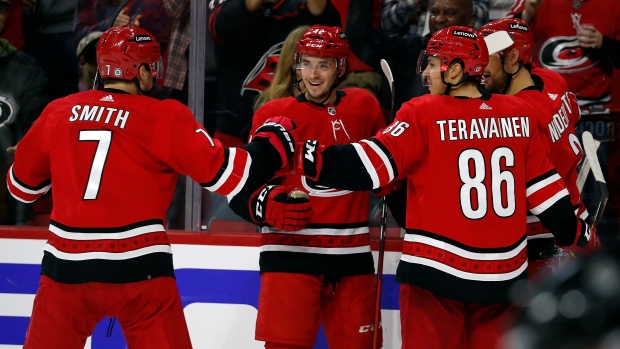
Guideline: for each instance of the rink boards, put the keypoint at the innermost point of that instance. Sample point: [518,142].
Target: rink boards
[218,280]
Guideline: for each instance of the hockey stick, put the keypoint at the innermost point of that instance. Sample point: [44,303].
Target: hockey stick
[590,145]
[376,326]
[585,166]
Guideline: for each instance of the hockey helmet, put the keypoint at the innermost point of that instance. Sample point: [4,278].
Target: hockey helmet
[457,42]
[520,32]
[324,41]
[122,50]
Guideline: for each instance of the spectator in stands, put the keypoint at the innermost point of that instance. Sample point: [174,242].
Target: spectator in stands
[371,45]
[48,38]
[88,60]
[176,79]
[248,36]
[95,15]
[360,74]
[408,17]
[13,26]
[22,98]
[287,79]
[580,40]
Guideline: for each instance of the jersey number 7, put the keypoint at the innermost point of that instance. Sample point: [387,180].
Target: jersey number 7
[103,138]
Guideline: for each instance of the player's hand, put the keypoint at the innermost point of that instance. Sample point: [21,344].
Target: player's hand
[589,37]
[280,131]
[309,159]
[282,207]
[122,19]
[531,7]
[587,242]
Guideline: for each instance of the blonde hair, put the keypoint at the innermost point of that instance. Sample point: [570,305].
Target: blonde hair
[282,85]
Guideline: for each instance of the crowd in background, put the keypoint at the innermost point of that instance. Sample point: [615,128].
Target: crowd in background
[47,51]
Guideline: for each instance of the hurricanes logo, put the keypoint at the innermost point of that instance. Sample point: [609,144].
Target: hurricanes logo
[564,55]
[262,75]
[7,111]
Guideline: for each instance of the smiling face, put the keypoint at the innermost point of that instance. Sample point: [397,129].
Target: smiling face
[319,74]
[494,76]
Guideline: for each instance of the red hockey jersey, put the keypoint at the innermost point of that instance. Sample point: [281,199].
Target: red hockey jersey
[336,241]
[474,167]
[112,159]
[558,127]
[554,28]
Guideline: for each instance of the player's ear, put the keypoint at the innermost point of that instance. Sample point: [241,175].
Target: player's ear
[455,69]
[144,72]
[513,56]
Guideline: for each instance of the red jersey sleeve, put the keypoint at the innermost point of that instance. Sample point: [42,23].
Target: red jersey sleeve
[188,148]
[30,175]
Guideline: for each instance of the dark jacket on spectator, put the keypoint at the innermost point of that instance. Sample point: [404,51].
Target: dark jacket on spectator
[371,45]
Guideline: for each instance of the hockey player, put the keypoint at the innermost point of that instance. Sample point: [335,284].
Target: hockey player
[474,164]
[580,40]
[112,157]
[510,72]
[324,273]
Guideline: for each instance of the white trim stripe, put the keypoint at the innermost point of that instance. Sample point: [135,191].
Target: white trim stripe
[107,255]
[16,197]
[229,168]
[464,253]
[547,203]
[372,173]
[244,179]
[26,190]
[383,157]
[543,183]
[318,250]
[461,274]
[532,219]
[320,231]
[106,236]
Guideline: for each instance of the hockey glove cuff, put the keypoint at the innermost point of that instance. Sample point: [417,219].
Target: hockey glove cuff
[587,241]
[282,207]
[309,159]
[280,131]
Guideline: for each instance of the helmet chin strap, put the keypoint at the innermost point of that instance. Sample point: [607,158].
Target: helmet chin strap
[509,75]
[449,85]
[296,81]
